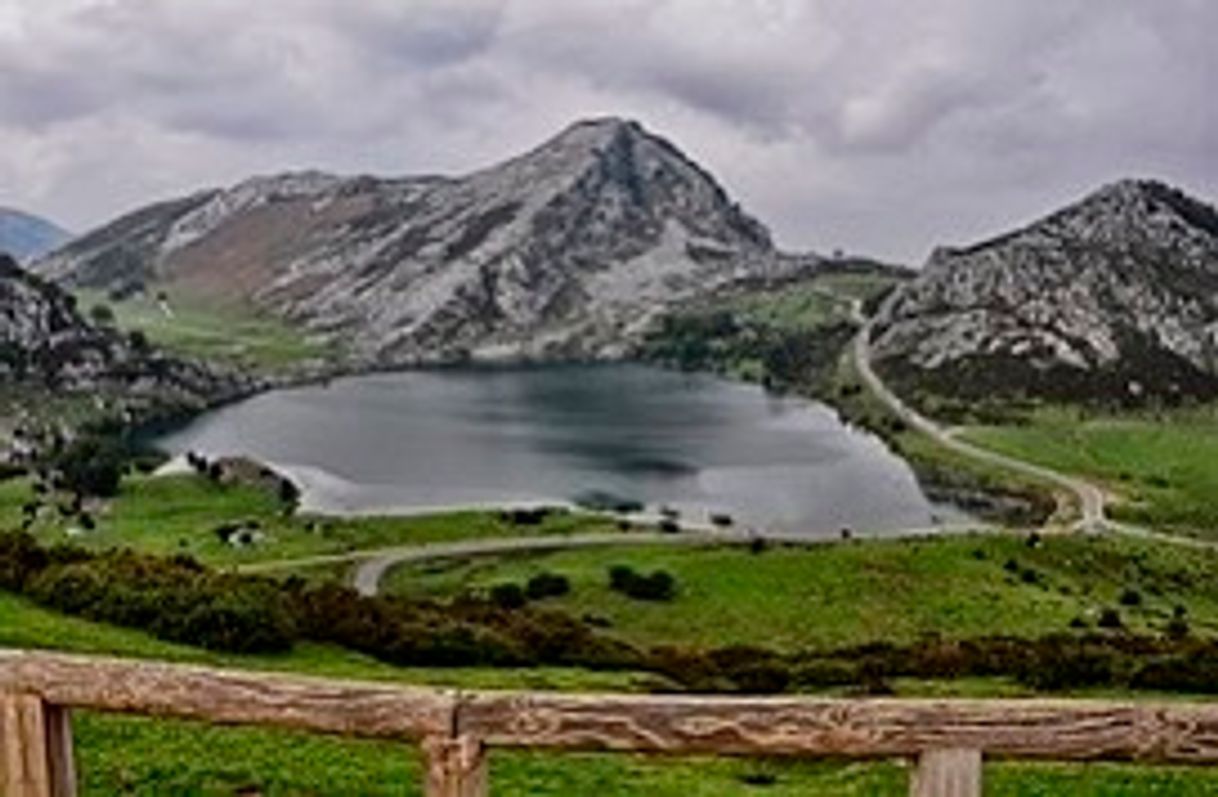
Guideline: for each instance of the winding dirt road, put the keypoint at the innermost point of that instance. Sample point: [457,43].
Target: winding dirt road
[1091,499]
[373,565]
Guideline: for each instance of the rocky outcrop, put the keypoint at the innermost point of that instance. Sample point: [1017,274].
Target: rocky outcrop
[567,251]
[23,236]
[1114,298]
[46,346]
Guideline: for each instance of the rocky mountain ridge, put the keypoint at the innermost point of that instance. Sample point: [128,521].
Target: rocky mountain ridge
[24,236]
[1114,298]
[570,250]
[47,347]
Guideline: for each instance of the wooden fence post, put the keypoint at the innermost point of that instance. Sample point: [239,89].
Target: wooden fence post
[35,748]
[947,773]
[455,767]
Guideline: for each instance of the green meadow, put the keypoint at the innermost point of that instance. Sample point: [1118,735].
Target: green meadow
[1160,468]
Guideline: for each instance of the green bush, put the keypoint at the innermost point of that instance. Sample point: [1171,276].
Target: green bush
[659,586]
[93,466]
[508,596]
[547,585]
[174,599]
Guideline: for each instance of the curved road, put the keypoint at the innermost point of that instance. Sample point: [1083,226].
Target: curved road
[374,564]
[1091,499]
[369,574]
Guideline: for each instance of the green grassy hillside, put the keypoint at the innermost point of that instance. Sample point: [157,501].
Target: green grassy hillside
[181,513]
[1161,468]
[221,332]
[837,595]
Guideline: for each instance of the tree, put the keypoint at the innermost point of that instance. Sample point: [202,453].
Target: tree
[102,314]
[138,341]
[93,466]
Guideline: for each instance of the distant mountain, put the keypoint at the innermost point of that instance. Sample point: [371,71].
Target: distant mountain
[24,236]
[569,250]
[46,345]
[1112,298]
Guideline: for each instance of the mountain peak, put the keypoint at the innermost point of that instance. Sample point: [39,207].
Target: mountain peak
[1110,298]
[1150,197]
[25,236]
[611,125]
[565,251]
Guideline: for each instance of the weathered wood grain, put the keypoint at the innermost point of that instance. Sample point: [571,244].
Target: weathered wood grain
[227,697]
[61,751]
[1056,730]
[947,736]
[35,748]
[947,773]
[455,767]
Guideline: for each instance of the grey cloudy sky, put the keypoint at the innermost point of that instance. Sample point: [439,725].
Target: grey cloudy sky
[879,126]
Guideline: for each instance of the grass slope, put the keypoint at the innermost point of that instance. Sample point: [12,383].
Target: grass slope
[221,332]
[140,756]
[1162,468]
[179,514]
[839,595]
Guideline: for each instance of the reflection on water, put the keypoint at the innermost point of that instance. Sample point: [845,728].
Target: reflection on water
[433,438]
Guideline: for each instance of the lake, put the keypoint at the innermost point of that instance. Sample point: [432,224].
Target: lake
[406,442]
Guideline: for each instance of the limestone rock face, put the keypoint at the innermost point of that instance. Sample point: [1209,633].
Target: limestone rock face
[46,345]
[566,251]
[1115,297]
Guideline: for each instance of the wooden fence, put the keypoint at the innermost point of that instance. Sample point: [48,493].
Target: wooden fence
[947,738]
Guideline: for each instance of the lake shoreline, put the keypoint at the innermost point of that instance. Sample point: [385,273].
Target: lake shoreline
[628,395]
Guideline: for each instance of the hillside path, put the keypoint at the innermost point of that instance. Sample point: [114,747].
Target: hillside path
[1091,499]
[371,565]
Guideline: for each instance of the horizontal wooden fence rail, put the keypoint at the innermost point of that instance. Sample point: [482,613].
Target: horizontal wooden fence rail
[948,738]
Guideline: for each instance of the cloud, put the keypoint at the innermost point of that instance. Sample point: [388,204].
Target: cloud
[881,126]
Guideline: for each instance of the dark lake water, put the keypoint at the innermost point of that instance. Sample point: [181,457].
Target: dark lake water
[423,439]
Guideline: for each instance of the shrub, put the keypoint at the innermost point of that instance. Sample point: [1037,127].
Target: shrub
[1109,618]
[508,596]
[92,466]
[620,576]
[547,585]
[1193,672]
[825,672]
[20,559]
[101,314]
[1177,628]
[174,599]
[526,517]
[1130,597]
[1066,664]
[659,586]
[289,493]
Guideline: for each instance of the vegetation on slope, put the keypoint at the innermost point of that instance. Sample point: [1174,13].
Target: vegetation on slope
[982,489]
[221,332]
[896,591]
[786,337]
[186,513]
[1160,466]
[145,757]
